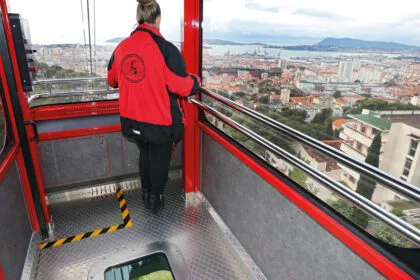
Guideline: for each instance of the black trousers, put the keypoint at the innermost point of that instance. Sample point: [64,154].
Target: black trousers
[154,164]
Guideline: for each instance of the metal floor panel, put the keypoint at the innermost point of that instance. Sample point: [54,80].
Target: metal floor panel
[189,226]
[84,216]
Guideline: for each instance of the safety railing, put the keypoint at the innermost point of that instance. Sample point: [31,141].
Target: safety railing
[86,93]
[61,81]
[404,228]
[93,87]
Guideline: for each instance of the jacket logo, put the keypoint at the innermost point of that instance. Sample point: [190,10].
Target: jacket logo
[133,68]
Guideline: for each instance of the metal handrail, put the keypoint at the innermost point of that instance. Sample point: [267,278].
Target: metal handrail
[368,170]
[71,94]
[70,80]
[404,228]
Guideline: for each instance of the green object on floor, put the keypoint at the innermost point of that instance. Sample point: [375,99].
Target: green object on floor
[158,275]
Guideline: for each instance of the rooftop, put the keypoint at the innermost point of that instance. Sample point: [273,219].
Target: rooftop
[411,120]
[339,122]
[379,123]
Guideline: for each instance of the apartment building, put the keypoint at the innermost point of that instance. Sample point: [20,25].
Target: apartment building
[358,135]
[399,157]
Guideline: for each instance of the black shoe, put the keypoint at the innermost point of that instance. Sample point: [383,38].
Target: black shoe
[156,203]
[146,198]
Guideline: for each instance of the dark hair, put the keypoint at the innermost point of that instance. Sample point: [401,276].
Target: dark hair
[147,11]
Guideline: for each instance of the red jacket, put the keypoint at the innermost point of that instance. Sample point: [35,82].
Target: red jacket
[151,76]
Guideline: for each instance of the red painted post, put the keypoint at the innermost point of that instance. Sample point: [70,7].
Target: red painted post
[1,274]
[191,49]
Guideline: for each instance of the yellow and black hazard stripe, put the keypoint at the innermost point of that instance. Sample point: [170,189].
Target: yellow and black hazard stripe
[127,223]
[124,209]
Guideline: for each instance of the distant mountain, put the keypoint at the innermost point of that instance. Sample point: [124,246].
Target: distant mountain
[116,40]
[348,43]
[220,42]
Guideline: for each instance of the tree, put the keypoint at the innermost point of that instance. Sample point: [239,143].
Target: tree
[366,186]
[294,114]
[342,206]
[391,237]
[299,177]
[329,128]
[265,99]
[322,116]
[337,94]
[240,94]
[381,105]
[337,132]
[357,81]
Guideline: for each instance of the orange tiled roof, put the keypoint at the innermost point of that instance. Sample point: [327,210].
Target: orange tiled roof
[339,123]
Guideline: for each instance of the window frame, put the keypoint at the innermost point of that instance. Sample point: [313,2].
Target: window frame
[9,137]
[413,148]
[407,170]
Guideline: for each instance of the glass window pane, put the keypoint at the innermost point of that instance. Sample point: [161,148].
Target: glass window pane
[413,148]
[75,40]
[289,62]
[155,266]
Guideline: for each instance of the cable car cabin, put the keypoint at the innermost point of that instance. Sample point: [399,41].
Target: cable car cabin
[258,189]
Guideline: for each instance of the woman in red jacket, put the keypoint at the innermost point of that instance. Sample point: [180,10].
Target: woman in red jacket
[151,76]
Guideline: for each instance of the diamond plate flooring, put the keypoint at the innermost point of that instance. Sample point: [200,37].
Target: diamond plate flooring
[189,226]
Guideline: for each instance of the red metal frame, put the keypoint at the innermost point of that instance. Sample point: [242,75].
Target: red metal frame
[25,108]
[191,53]
[1,274]
[370,255]
[16,154]
[66,134]
[66,111]
[8,161]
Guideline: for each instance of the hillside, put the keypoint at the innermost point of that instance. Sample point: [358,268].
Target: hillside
[348,43]
[220,42]
[116,40]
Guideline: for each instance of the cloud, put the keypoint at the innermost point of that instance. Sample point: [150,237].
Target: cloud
[251,4]
[254,31]
[316,13]
[410,20]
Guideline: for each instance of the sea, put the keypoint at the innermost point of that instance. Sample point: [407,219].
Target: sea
[221,50]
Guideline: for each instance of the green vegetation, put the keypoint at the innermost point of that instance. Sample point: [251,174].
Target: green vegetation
[158,275]
[57,72]
[384,233]
[342,206]
[366,186]
[329,128]
[46,72]
[269,134]
[323,116]
[381,105]
[397,212]
[392,237]
[299,177]
[337,94]
[296,119]
[337,132]
[265,99]
[240,94]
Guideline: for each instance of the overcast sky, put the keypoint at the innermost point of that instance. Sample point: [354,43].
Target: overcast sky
[251,20]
